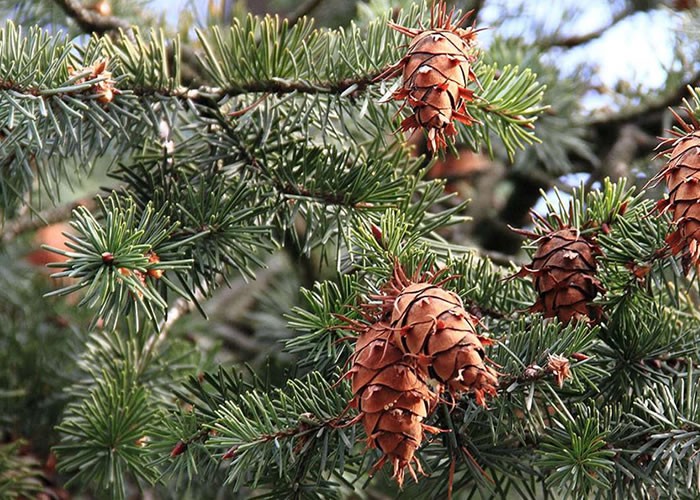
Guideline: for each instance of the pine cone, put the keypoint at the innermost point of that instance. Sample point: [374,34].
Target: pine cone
[563,272]
[682,176]
[392,400]
[432,324]
[436,71]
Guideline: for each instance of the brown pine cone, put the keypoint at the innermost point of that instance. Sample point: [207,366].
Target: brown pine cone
[392,400]
[563,271]
[432,324]
[682,176]
[436,72]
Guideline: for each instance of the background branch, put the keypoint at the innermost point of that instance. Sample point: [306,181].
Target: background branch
[576,40]
[33,221]
[303,10]
[91,21]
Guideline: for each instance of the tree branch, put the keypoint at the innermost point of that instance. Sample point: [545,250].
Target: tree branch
[643,116]
[303,10]
[576,40]
[348,87]
[33,221]
[616,164]
[91,21]
[181,307]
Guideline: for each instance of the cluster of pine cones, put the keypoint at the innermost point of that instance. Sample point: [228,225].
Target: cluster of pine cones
[422,343]
[419,344]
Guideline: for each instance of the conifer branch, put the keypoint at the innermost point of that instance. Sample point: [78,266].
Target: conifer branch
[278,86]
[648,115]
[182,307]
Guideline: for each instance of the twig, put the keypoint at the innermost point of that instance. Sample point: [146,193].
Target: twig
[303,10]
[349,87]
[576,40]
[502,259]
[33,221]
[272,86]
[180,308]
[617,162]
[651,113]
[91,21]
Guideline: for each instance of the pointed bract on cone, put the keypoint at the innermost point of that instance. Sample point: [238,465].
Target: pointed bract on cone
[432,324]
[392,399]
[563,272]
[682,176]
[436,72]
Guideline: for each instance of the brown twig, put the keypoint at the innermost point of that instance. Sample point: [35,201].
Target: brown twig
[616,164]
[91,21]
[502,259]
[534,372]
[303,10]
[576,40]
[643,116]
[349,87]
[353,86]
[304,430]
[33,221]
[181,307]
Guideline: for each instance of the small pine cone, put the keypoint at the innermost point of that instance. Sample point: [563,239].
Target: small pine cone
[431,323]
[436,72]
[392,400]
[682,176]
[563,272]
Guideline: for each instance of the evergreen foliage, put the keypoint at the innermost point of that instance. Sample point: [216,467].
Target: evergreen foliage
[254,173]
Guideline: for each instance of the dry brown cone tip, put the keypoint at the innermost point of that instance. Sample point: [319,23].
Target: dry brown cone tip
[105,89]
[392,399]
[563,272]
[436,72]
[682,176]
